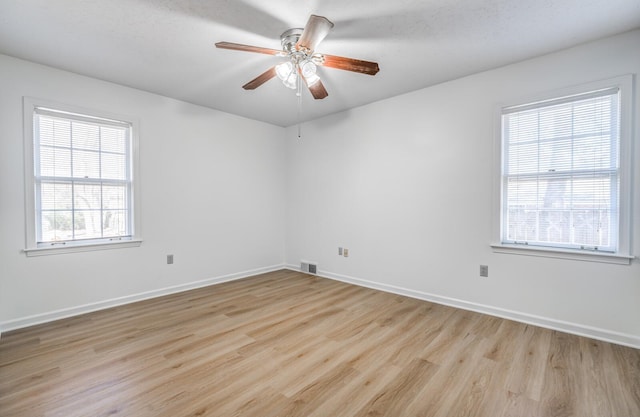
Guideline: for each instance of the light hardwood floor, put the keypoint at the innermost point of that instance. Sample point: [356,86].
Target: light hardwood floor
[288,344]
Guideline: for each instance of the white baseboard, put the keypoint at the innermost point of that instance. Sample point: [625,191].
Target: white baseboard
[564,326]
[549,323]
[101,305]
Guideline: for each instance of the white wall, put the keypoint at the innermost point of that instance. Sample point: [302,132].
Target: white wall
[406,185]
[212,194]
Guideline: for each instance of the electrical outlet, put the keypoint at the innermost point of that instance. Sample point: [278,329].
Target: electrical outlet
[484,270]
[345,251]
[339,251]
[169,259]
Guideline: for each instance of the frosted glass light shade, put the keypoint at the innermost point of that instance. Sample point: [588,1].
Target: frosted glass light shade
[290,82]
[308,69]
[284,70]
[312,79]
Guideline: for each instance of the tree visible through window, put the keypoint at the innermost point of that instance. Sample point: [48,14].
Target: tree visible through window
[82,178]
[561,172]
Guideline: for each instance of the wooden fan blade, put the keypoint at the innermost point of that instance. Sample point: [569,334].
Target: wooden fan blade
[248,48]
[317,90]
[314,32]
[260,79]
[349,64]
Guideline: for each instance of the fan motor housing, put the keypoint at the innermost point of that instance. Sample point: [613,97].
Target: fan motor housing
[289,38]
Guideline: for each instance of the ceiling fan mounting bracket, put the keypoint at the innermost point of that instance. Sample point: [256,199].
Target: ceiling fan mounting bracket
[289,38]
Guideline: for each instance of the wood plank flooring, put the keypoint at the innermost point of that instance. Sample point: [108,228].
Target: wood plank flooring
[288,344]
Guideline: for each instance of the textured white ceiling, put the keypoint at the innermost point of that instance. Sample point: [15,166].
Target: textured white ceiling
[167,46]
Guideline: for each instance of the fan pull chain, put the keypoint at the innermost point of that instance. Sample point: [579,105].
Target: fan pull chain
[299,94]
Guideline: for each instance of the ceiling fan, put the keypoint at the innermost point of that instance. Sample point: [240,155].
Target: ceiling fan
[299,47]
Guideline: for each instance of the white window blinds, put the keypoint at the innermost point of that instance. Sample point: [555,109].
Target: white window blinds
[82,175]
[560,172]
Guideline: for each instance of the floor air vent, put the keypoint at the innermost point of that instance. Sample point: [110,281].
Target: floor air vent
[308,267]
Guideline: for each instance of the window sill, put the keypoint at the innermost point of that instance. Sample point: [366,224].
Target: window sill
[82,248]
[575,255]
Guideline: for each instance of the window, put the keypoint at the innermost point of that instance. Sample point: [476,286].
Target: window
[565,173]
[80,178]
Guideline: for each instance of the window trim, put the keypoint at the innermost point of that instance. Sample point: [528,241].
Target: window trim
[625,83]
[31,246]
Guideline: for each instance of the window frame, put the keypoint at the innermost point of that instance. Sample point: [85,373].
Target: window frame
[623,254]
[32,248]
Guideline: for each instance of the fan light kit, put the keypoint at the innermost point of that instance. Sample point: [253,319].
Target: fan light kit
[299,62]
[298,45]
